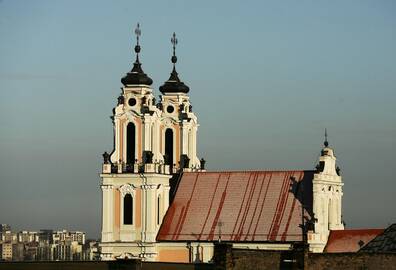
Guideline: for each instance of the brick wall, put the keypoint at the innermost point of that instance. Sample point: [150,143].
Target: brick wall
[254,259]
[113,265]
[227,258]
[358,261]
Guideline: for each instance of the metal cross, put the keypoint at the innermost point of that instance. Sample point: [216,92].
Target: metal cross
[174,42]
[138,33]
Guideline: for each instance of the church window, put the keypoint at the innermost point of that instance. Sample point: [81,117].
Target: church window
[169,146]
[158,209]
[128,209]
[130,143]
[132,102]
[170,109]
[321,166]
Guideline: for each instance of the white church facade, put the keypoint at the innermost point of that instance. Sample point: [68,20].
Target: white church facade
[160,204]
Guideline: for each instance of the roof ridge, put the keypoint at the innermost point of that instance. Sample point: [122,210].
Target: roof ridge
[357,229]
[248,171]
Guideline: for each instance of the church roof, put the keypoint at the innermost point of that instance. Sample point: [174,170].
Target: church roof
[350,240]
[239,206]
[385,242]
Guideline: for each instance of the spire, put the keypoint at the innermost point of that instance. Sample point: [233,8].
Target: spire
[326,143]
[136,75]
[174,76]
[137,47]
[174,42]
[173,84]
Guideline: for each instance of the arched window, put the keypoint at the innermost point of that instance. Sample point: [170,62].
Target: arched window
[130,143]
[158,209]
[169,146]
[128,209]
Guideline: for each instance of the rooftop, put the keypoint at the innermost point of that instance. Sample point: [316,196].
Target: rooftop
[252,206]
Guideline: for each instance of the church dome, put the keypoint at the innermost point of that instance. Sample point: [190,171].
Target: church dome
[173,84]
[136,75]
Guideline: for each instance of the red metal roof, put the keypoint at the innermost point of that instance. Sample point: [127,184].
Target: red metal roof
[348,240]
[239,206]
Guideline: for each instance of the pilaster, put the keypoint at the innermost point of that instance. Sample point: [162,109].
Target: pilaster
[108,213]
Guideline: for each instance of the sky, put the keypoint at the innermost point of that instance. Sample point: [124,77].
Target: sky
[266,78]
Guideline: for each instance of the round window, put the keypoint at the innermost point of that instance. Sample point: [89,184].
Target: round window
[170,109]
[132,102]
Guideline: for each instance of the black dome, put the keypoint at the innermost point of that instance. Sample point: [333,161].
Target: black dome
[136,76]
[174,85]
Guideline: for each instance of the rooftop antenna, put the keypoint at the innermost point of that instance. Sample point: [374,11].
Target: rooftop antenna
[220,224]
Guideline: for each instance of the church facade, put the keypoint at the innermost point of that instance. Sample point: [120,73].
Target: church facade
[160,204]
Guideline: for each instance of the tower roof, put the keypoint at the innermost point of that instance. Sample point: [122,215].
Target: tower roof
[136,75]
[173,84]
[327,150]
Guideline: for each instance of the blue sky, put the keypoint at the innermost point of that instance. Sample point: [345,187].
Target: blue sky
[266,78]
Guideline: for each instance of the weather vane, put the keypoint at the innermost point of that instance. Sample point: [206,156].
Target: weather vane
[174,43]
[326,143]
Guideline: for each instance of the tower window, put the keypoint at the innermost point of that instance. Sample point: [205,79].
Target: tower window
[169,147]
[170,109]
[321,166]
[128,209]
[130,144]
[132,102]
[158,209]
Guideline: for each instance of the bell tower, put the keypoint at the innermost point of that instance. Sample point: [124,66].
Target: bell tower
[327,198]
[152,142]
[179,122]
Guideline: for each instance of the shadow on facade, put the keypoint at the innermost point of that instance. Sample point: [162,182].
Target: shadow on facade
[113,265]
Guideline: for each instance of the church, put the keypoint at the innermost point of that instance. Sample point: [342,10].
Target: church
[160,204]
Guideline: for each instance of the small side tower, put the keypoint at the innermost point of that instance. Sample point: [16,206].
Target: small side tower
[152,142]
[327,199]
[180,122]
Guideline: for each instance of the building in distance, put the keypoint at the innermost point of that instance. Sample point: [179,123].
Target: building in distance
[46,245]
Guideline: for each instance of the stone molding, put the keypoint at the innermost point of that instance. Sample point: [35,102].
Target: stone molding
[127,189]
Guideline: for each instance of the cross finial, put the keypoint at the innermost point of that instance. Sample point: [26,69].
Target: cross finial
[137,32]
[137,47]
[326,143]
[174,43]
